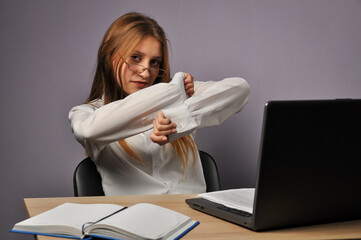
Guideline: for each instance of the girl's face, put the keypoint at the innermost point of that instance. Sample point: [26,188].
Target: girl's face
[134,77]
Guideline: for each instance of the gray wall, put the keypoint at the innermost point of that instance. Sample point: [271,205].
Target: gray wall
[296,49]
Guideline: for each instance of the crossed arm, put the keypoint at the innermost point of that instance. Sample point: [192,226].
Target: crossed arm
[164,108]
[162,125]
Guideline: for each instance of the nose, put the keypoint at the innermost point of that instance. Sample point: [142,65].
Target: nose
[144,71]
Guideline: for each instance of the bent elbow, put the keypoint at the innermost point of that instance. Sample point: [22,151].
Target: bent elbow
[82,134]
[242,88]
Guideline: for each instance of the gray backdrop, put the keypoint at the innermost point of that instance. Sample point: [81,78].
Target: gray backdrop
[285,49]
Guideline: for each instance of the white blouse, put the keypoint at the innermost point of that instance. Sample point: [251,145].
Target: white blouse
[98,128]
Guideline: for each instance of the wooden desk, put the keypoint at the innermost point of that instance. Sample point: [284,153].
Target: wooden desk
[209,227]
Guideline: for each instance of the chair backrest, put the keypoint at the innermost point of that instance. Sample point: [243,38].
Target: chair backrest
[87,180]
[210,172]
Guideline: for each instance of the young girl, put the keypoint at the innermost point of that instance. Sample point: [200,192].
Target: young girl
[137,125]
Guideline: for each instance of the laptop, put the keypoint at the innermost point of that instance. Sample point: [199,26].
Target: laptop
[309,167]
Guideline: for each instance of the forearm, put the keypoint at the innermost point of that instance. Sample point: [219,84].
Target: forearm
[96,127]
[211,104]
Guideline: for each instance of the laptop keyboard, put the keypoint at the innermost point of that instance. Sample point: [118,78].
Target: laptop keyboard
[235,211]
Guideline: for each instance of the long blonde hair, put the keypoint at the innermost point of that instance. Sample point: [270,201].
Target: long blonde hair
[122,37]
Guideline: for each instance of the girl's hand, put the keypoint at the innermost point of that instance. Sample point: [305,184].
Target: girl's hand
[162,127]
[189,84]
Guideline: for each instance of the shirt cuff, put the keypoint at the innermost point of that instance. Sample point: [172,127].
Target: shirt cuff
[183,119]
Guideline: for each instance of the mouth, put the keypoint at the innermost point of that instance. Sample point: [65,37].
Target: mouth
[140,84]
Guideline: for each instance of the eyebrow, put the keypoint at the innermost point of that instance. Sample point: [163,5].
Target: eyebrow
[141,53]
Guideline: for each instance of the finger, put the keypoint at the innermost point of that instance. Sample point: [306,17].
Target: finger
[164,133]
[161,118]
[163,130]
[190,94]
[164,121]
[163,124]
[188,76]
[188,85]
[190,91]
[189,88]
[161,140]
[160,115]
[188,82]
[167,132]
[157,139]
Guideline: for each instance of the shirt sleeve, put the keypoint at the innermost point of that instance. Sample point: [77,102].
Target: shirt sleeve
[96,127]
[211,104]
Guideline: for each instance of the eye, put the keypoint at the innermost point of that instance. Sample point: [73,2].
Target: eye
[136,58]
[154,63]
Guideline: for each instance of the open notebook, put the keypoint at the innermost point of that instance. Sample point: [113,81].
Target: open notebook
[308,169]
[108,221]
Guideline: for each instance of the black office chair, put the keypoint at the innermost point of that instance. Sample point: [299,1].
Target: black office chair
[87,180]
[210,172]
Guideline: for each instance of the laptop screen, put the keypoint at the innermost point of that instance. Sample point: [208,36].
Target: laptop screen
[310,161]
